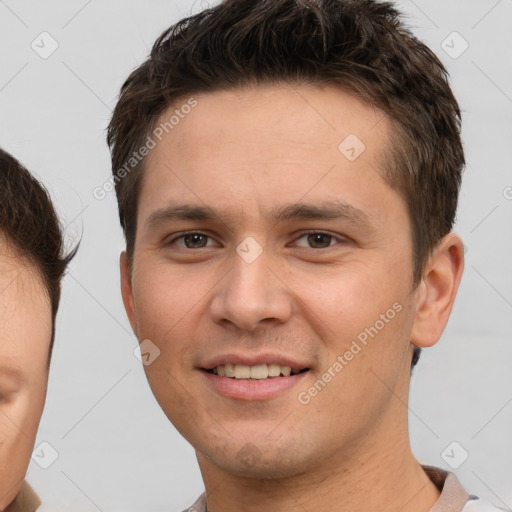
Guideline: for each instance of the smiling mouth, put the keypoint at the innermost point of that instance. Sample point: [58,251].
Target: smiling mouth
[257,372]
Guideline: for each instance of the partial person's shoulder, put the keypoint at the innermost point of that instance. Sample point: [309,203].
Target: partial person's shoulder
[199,505]
[26,500]
[476,504]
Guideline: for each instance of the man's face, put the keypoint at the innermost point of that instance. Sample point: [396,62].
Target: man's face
[25,333]
[268,280]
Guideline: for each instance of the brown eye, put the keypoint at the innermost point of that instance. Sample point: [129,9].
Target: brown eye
[191,241]
[317,240]
[195,240]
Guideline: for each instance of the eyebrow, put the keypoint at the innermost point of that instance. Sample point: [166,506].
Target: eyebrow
[298,211]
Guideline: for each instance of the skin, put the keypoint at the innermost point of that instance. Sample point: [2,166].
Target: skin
[245,152]
[25,327]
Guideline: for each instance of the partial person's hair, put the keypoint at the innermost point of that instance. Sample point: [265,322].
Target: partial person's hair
[360,45]
[29,224]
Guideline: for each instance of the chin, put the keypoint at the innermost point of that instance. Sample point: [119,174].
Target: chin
[256,460]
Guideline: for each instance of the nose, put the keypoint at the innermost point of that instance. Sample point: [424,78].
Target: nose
[250,294]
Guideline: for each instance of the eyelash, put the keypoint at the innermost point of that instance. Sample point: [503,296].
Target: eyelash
[305,233]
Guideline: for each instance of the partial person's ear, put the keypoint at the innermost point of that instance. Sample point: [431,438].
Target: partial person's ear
[127,292]
[436,293]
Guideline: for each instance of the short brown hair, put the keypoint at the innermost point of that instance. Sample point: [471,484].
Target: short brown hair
[29,223]
[362,45]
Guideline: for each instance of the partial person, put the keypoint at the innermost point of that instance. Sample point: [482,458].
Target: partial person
[32,265]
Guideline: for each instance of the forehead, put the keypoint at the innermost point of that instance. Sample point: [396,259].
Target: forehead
[257,146]
[280,116]
[25,311]
[19,276]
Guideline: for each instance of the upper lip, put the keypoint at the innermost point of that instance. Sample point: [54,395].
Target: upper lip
[253,360]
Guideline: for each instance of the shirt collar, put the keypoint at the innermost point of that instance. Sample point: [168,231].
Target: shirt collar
[453,496]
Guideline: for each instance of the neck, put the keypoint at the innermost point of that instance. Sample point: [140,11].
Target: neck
[377,476]
[376,472]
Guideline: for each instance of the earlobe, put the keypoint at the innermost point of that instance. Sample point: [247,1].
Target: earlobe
[127,291]
[436,293]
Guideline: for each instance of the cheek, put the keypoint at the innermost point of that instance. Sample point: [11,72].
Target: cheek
[364,324]
[19,420]
[167,303]
[345,300]
[22,414]
[160,295]
[164,307]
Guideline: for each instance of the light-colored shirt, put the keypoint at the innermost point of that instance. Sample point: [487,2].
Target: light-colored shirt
[453,497]
[26,500]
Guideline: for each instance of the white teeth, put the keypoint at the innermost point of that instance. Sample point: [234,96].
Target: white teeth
[242,371]
[274,370]
[286,370]
[257,372]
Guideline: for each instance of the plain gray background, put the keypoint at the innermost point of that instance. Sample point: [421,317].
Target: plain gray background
[116,449]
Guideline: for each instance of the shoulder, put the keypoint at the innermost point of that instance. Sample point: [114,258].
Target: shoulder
[475,504]
[454,496]
[199,505]
[26,500]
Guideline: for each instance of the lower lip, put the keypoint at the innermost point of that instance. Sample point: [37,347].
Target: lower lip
[264,389]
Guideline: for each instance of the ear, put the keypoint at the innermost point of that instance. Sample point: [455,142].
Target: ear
[127,292]
[436,293]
